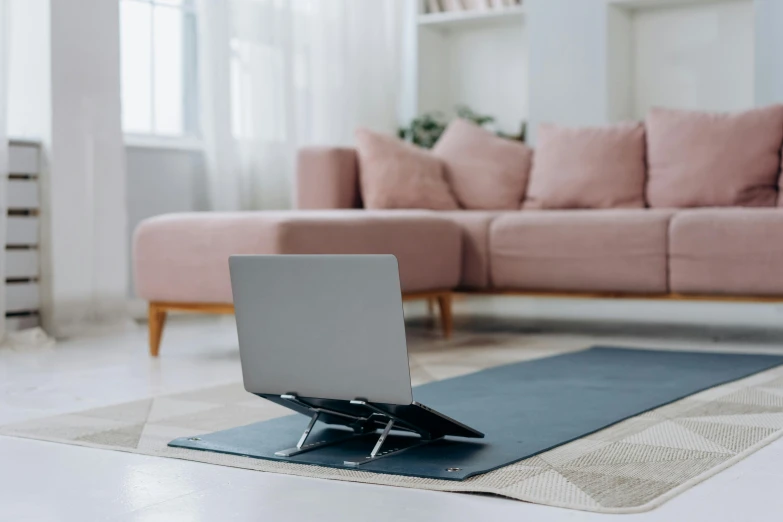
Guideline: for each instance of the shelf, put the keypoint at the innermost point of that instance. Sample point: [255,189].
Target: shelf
[472,18]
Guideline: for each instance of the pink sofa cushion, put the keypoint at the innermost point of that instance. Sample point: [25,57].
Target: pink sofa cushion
[485,171]
[616,250]
[595,167]
[395,174]
[734,251]
[475,245]
[184,257]
[699,159]
[780,182]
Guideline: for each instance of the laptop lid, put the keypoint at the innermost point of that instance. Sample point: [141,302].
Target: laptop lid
[322,326]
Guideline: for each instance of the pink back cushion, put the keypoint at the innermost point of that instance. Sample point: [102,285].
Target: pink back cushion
[395,174]
[485,171]
[593,167]
[698,159]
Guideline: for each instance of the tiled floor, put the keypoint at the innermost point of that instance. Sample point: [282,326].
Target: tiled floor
[45,481]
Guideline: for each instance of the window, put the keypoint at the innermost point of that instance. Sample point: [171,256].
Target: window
[159,76]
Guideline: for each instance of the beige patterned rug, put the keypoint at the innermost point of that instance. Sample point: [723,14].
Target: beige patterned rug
[630,467]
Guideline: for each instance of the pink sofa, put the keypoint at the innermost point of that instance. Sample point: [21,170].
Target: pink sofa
[720,251]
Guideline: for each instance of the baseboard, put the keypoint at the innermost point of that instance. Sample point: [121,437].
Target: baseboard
[80,318]
[137,309]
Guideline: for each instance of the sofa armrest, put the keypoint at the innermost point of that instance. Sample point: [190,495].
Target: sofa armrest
[327,178]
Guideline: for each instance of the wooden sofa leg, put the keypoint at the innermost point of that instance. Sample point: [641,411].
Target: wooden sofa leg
[156,322]
[444,304]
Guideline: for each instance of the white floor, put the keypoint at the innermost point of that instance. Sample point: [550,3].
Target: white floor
[45,481]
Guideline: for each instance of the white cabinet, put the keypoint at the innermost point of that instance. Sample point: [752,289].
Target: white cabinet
[24,158]
[21,264]
[22,232]
[22,297]
[22,258]
[23,194]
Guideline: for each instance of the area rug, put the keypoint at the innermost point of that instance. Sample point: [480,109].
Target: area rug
[629,467]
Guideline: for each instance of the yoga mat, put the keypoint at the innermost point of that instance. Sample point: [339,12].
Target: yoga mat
[524,409]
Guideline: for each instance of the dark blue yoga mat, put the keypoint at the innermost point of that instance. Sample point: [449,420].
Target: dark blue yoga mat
[523,408]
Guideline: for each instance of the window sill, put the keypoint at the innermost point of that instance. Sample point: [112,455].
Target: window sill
[151,141]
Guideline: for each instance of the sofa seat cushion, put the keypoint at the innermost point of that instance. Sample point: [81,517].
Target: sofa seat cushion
[733,251]
[475,246]
[184,257]
[609,250]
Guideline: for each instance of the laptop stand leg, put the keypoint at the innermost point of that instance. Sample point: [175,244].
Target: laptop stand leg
[381,439]
[376,452]
[301,447]
[307,430]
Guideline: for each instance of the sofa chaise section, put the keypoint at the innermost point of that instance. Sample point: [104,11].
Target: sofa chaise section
[181,260]
[606,251]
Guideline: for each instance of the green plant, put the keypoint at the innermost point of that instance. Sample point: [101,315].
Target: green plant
[466,113]
[518,137]
[425,130]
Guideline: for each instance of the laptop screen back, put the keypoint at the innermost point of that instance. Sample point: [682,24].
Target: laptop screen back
[322,326]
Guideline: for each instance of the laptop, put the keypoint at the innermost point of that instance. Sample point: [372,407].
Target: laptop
[325,334]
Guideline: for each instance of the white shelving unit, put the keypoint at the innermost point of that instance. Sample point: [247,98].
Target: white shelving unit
[476,58]
[473,18]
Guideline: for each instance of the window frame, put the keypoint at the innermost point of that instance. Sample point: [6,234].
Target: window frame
[191,138]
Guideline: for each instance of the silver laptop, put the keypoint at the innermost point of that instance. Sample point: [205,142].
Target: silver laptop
[326,333]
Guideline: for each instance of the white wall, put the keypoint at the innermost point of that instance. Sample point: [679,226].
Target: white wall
[409,63]
[568,62]
[29,86]
[697,57]
[620,65]
[769,51]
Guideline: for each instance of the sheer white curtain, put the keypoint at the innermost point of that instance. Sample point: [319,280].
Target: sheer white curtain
[4,46]
[280,74]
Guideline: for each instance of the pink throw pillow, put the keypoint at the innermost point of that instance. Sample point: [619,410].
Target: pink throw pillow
[485,171]
[780,181]
[396,174]
[591,167]
[698,159]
